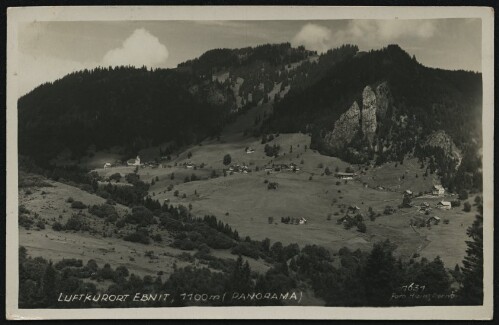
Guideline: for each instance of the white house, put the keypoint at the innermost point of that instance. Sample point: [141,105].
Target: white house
[250,150]
[444,205]
[438,190]
[107,165]
[134,162]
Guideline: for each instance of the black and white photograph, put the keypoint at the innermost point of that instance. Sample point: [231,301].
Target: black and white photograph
[305,159]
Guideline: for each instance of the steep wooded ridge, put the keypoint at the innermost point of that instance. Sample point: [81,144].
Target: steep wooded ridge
[361,106]
[383,105]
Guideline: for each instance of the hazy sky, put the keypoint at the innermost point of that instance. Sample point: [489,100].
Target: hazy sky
[50,50]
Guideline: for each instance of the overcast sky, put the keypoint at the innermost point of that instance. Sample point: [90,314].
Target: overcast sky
[50,50]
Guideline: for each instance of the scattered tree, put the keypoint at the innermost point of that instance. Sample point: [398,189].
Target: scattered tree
[227,159]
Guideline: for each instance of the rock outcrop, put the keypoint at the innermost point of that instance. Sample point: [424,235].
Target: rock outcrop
[365,118]
[345,128]
[369,109]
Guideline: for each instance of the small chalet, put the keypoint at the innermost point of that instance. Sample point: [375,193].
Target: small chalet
[424,207]
[438,190]
[433,219]
[341,175]
[444,205]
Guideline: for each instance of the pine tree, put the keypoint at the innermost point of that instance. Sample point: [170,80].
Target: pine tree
[471,291]
[49,286]
[227,159]
[240,279]
[246,276]
[380,274]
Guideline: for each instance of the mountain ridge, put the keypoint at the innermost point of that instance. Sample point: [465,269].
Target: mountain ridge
[400,103]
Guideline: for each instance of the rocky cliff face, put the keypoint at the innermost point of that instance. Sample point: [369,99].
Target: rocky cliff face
[364,119]
[369,109]
[345,128]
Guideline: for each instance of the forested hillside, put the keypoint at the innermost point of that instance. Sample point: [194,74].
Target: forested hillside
[122,106]
[382,105]
[375,106]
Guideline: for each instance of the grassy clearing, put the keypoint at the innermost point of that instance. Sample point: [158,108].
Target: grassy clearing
[50,203]
[244,202]
[396,177]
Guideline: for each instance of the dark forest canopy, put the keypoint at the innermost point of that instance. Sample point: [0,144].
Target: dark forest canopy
[121,106]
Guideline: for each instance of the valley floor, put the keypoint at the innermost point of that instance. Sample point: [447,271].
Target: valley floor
[248,206]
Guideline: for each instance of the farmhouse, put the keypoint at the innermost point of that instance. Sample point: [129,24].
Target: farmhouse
[240,169]
[424,207]
[435,220]
[341,175]
[438,190]
[444,205]
[134,162]
[107,165]
[250,150]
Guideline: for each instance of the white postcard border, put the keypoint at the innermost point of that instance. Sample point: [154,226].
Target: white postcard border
[18,15]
